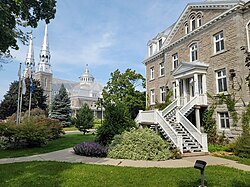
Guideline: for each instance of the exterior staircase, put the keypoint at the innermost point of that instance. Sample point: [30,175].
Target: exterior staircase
[174,126]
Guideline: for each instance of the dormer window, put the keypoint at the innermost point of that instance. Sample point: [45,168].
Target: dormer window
[160,44]
[192,23]
[150,50]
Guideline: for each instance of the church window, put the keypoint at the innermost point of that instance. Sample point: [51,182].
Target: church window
[198,20]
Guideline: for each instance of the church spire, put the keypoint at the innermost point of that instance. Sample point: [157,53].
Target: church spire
[44,63]
[30,61]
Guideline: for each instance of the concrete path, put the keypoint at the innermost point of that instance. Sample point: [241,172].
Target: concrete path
[67,155]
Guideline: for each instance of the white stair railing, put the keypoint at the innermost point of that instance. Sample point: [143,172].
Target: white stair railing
[169,108]
[193,131]
[189,105]
[155,117]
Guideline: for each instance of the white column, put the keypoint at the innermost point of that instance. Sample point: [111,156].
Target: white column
[197,118]
[196,88]
[178,92]
[185,90]
[204,87]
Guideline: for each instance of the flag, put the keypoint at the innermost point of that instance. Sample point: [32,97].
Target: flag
[23,86]
[31,84]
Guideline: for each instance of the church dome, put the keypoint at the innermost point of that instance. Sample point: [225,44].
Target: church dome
[86,78]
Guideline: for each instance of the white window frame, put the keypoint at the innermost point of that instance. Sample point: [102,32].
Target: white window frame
[162,94]
[152,73]
[152,96]
[193,52]
[151,50]
[223,117]
[175,61]
[186,28]
[199,21]
[161,69]
[174,90]
[221,75]
[160,42]
[192,23]
[219,42]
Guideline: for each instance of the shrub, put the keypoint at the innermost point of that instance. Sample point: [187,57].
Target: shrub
[117,119]
[54,126]
[242,146]
[140,144]
[91,149]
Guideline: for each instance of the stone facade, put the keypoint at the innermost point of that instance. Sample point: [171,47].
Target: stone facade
[229,18]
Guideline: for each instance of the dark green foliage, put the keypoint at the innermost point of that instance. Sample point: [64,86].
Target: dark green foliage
[116,120]
[210,125]
[139,144]
[246,120]
[38,131]
[84,118]
[123,87]
[242,146]
[9,104]
[22,13]
[60,108]
[167,102]
[91,149]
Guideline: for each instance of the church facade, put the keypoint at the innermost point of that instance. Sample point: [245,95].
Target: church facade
[201,59]
[87,90]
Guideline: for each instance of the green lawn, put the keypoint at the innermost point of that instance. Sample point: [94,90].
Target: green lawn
[245,161]
[66,141]
[68,174]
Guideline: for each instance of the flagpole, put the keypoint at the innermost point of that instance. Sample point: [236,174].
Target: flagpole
[21,102]
[18,96]
[29,107]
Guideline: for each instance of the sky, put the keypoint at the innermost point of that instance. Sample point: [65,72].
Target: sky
[105,34]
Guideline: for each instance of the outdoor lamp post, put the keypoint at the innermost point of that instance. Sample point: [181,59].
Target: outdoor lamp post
[200,164]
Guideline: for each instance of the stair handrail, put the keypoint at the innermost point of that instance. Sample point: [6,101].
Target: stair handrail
[193,131]
[189,104]
[169,108]
[168,129]
[139,118]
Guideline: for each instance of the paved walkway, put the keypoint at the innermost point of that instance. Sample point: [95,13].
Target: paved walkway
[67,155]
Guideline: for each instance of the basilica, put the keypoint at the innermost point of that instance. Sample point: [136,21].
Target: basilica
[87,90]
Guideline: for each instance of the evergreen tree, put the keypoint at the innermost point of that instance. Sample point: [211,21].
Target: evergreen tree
[84,118]
[9,104]
[116,120]
[60,108]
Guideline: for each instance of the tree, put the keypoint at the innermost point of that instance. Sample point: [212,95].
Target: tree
[116,120]
[84,118]
[9,104]
[123,87]
[60,108]
[17,14]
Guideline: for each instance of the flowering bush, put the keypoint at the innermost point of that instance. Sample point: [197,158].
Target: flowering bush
[91,149]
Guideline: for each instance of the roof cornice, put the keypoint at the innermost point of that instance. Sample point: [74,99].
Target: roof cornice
[211,22]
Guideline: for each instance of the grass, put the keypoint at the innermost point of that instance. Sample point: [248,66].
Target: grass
[66,141]
[72,128]
[68,174]
[240,160]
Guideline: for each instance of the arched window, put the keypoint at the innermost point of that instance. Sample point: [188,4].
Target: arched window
[193,52]
[186,27]
[198,20]
[192,23]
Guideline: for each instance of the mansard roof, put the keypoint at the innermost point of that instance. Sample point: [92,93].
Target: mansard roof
[186,68]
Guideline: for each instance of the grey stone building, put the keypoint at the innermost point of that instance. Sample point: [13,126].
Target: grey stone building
[203,53]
